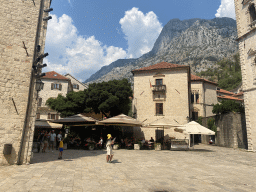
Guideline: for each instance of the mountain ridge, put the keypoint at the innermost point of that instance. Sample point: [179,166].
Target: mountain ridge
[199,43]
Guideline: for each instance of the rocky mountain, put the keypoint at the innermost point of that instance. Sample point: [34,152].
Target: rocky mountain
[199,43]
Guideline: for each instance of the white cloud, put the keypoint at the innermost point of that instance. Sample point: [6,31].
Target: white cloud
[226,9]
[141,31]
[71,53]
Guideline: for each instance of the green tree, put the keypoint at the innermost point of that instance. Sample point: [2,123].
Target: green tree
[109,97]
[72,104]
[227,106]
[211,124]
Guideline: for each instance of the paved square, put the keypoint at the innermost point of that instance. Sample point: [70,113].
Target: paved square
[207,168]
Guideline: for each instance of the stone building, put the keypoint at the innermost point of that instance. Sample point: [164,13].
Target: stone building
[77,85]
[203,95]
[23,27]
[54,84]
[161,91]
[246,29]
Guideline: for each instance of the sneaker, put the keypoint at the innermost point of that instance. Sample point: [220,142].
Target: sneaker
[60,157]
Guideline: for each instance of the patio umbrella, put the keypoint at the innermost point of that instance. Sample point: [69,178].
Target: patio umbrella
[121,120]
[78,119]
[195,128]
[164,123]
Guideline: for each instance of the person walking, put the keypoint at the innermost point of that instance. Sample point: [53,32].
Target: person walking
[52,139]
[109,144]
[60,149]
[59,138]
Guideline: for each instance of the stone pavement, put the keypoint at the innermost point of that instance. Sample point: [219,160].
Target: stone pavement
[206,168]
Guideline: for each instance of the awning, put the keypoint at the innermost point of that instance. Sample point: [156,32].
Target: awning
[78,119]
[195,128]
[41,123]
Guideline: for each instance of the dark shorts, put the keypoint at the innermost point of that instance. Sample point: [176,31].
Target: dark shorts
[61,149]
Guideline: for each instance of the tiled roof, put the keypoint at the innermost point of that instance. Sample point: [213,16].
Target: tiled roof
[225,92]
[229,97]
[238,94]
[54,75]
[162,65]
[197,78]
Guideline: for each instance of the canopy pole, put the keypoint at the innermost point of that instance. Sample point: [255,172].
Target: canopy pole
[193,140]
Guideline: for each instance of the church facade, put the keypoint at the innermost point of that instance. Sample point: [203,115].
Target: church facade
[246,30]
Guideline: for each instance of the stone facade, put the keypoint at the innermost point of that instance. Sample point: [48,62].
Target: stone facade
[77,85]
[54,84]
[246,29]
[21,30]
[172,94]
[203,95]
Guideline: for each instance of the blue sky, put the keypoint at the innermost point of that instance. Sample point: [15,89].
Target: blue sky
[85,35]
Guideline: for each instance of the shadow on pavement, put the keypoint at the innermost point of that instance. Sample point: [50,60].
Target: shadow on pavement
[116,161]
[68,155]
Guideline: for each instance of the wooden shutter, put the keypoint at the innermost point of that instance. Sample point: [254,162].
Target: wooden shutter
[159,108]
[38,116]
[57,116]
[49,115]
[77,86]
[60,86]
[52,86]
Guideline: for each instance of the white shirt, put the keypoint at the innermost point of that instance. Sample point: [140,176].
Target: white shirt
[52,137]
[59,137]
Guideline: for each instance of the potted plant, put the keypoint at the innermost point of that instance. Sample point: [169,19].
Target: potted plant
[116,146]
[157,146]
[137,145]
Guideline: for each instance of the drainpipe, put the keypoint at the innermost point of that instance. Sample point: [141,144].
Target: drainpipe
[31,86]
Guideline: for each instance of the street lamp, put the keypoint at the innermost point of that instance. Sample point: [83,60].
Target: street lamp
[39,85]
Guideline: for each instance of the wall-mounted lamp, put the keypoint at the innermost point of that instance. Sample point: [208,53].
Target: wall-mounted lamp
[47,18]
[41,57]
[40,75]
[48,10]
[39,85]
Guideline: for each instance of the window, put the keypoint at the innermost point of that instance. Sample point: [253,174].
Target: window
[75,86]
[197,97]
[194,116]
[40,102]
[252,12]
[159,81]
[192,98]
[37,115]
[56,86]
[53,116]
[159,109]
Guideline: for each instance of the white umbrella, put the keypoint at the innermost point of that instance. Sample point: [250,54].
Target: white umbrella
[195,128]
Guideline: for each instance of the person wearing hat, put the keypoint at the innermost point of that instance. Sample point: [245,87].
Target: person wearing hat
[109,148]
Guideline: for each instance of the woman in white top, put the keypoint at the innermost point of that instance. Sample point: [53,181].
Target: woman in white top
[109,149]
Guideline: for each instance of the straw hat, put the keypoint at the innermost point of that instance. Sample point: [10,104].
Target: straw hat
[109,136]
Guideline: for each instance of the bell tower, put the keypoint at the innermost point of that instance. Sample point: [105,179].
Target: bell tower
[246,30]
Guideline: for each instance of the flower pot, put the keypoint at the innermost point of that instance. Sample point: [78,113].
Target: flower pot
[115,147]
[158,147]
[136,146]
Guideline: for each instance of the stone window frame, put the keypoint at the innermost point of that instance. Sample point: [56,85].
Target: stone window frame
[195,94]
[75,86]
[251,22]
[55,86]
[159,109]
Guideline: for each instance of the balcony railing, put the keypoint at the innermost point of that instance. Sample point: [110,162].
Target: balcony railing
[159,88]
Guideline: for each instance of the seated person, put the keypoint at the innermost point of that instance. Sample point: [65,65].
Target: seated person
[152,140]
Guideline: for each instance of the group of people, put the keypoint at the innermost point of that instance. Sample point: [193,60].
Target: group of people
[49,139]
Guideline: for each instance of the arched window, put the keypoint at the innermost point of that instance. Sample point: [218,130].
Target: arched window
[252,12]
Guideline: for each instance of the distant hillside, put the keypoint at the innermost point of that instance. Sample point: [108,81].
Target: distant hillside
[199,43]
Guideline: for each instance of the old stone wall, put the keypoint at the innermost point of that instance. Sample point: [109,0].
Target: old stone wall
[18,38]
[231,130]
